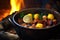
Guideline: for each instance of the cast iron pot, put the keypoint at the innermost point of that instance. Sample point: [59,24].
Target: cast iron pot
[35,34]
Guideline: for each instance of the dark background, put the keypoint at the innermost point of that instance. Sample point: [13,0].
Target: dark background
[5,4]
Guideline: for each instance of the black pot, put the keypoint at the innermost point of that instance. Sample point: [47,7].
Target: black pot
[35,34]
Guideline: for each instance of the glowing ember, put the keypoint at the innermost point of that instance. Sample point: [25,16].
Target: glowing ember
[16,5]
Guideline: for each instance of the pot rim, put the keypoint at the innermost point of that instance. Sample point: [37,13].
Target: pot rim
[36,9]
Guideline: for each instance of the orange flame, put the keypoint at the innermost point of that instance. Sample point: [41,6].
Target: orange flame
[4,13]
[16,5]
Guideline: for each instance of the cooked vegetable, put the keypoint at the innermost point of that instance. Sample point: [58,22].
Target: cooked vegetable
[27,19]
[44,17]
[36,16]
[39,25]
[30,14]
[22,15]
[54,21]
[40,17]
[50,16]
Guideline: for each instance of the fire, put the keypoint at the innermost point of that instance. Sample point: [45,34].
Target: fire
[4,13]
[16,5]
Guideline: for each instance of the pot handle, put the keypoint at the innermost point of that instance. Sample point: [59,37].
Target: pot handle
[18,31]
[5,23]
[1,27]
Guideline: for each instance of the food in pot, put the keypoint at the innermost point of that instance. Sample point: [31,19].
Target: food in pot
[50,22]
[34,21]
[44,17]
[54,21]
[44,20]
[30,14]
[36,16]
[39,25]
[27,18]
[50,16]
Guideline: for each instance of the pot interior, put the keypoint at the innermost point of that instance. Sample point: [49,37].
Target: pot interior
[40,11]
